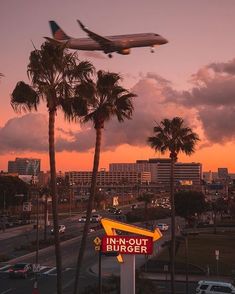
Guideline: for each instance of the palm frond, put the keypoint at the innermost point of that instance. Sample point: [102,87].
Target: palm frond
[82,71]
[173,136]
[106,99]
[24,98]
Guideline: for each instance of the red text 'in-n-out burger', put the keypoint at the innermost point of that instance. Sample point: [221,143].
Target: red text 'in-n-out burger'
[128,244]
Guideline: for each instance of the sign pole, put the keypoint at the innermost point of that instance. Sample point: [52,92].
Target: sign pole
[128,274]
[100,273]
[217,262]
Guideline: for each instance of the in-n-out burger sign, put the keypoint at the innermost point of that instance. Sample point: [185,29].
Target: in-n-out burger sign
[128,244]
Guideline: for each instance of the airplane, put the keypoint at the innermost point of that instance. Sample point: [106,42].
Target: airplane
[121,44]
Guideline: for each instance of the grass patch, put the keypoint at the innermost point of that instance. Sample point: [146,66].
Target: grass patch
[201,252]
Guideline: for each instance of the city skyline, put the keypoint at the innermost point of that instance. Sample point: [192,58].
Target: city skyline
[111,164]
[199,51]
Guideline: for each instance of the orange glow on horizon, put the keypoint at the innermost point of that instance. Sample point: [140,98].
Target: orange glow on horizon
[68,161]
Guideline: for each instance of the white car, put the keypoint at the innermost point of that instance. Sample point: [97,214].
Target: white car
[61,229]
[214,287]
[162,227]
[82,219]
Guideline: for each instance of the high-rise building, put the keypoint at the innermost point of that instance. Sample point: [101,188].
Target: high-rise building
[24,166]
[160,168]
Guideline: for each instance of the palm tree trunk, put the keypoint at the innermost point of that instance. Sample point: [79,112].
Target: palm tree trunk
[89,208]
[55,200]
[172,197]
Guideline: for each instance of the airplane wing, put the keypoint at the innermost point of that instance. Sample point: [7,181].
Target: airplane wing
[105,43]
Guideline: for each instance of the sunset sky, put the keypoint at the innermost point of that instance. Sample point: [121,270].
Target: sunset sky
[193,76]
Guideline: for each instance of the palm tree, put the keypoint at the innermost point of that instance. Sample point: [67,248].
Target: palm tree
[103,99]
[174,137]
[53,72]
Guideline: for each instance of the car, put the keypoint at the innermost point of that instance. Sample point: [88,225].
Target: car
[118,211]
[112,209]
[61,229]
[162,227]
[82,219]
[20,270]
[95,218]
[214,287]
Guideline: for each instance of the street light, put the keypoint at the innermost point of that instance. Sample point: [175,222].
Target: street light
[4,202]
[185,236]
[37,242]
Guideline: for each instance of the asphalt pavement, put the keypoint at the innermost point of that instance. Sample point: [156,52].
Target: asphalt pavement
[47,273]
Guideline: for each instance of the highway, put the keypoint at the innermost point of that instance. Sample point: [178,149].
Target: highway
[47,274]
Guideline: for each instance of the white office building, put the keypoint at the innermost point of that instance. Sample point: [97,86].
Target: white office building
[160,168]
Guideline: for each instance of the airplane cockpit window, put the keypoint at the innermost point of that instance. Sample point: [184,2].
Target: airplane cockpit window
[156,35]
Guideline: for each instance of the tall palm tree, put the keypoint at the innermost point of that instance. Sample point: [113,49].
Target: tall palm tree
[103,99]
[174,137]
[54,72]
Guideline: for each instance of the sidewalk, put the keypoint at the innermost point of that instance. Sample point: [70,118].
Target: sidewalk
[182,278]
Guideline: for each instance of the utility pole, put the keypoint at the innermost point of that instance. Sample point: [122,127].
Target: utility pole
[4,201]
[45,216]
[100,273]
[70,199]
[37,245]
[186,257]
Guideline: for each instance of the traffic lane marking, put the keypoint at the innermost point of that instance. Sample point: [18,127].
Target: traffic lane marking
[8,290]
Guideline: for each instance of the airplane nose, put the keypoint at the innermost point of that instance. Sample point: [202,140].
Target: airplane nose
[164,41]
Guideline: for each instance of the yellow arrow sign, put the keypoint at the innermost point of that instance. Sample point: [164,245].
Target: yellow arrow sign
[110,227]
[97,241]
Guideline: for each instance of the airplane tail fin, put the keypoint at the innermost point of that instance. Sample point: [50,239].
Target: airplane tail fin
[57,32]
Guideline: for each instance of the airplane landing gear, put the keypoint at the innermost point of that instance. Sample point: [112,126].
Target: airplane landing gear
[152,50]
[110,55]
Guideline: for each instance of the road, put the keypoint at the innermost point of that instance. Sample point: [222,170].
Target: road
[21,236]
[47,274]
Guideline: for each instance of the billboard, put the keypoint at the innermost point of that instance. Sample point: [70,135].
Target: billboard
[127,244]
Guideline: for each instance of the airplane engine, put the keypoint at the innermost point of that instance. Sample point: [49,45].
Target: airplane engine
[125,51]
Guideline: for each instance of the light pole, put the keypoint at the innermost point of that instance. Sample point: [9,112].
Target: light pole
[35,286]
[45,216]
[4,202]
[185,235]
[70,198]
[186,259]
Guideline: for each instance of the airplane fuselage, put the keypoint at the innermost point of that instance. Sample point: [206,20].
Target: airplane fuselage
[119,42]
[108,44]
